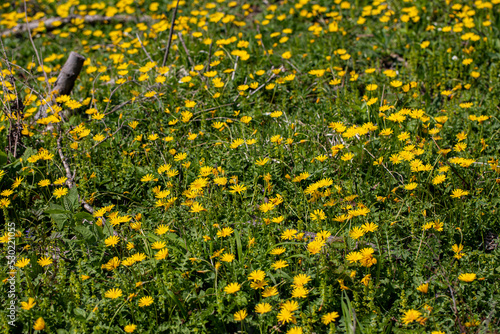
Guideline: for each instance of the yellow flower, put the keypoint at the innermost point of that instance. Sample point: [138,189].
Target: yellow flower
[17,182]
[112,241]
[45,261]
[288,234]
[424,288]
[180,156]
[263,308]
[44,183]
[457,193]
[59,192]
[354,257]
[227,257]
[257,275]
[425,44]
[356,233]
[295,330]
[468,277]
[240,315]
[60,181]
[21,263]
[299,292]
[262,162]
[347,156]
[147,178]
[285,316]
[318,215]
[162,229]
[279,264]
[225,232]
[366,279]
[301,279]
[238,188]
[113,293]
[410,316]
[158,245]
[369,227]
[29,304]
[439,179]
[290,305]
[329,317]
[129,328]
[411,186]
[232,288]
[146,301]
[39,324]
[396,83]
[270,291]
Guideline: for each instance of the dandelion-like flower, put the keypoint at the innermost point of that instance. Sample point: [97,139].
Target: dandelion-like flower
[468,277]
[112,241]
[39,324]
[329,317]
[129,328]
[279,264]
[59,192]
[146,301]
[257,275]
[232,288]
[240,315]
[410,316]
[162,254]
[263,308]
[457,193]
[285,316]
[113,293]
[29,304]
[269,292]
[295,330]
[45,261]
[21,263]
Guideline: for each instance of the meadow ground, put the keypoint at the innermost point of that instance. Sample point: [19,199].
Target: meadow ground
[282,166]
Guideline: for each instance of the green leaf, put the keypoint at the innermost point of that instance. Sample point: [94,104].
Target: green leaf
[178,303]
[71,200]
[80,313]
[80,216]
[3,158]
[58,215]
[85,232]
[238,245]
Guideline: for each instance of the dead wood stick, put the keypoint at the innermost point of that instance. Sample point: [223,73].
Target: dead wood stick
[144,48]
[70,182]
[50,23]
[65,81]
[172,23]
[191,62]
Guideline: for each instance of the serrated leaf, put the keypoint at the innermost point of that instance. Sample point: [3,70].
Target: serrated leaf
[71,200]
[85,232]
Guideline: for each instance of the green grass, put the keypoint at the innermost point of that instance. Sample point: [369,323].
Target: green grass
[348,150]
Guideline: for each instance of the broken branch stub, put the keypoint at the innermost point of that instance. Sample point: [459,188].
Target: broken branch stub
[65,81]
[70,71]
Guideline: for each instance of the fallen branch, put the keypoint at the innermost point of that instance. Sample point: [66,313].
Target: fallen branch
[172,24]
[70,182]
[56,22]
[65,81]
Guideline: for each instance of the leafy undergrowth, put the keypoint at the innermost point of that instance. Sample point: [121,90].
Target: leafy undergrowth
[292,167]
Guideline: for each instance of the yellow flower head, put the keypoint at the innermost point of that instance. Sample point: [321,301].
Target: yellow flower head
[39,324]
